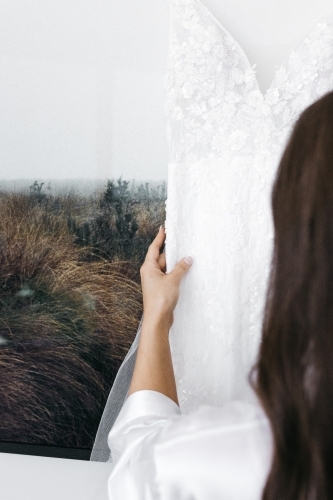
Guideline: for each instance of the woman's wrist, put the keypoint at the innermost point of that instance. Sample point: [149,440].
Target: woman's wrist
[154,322]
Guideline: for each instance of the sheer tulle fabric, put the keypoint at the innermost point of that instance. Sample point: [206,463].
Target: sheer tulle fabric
[116,399]
[225,141]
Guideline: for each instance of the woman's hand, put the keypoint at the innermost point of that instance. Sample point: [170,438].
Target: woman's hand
[161,291]
[153,365]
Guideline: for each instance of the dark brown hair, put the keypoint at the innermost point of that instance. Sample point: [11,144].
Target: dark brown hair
[293,377]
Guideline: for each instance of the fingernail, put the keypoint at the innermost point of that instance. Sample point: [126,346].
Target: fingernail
[161,227]
[189,260]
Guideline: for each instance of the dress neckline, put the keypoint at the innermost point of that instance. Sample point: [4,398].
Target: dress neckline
[323,20]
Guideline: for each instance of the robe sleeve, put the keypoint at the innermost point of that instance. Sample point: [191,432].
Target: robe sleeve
[131,440]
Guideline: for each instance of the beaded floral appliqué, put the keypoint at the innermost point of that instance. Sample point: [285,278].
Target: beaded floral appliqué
[213,98]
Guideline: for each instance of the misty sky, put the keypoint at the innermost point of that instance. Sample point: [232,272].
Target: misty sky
[81,89]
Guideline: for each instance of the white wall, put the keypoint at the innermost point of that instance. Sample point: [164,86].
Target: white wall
[43,478]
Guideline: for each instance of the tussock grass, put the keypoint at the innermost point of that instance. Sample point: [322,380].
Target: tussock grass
[66,323]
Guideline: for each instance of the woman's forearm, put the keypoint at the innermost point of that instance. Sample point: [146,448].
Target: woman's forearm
[153,366]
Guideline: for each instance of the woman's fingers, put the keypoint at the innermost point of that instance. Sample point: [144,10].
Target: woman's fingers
[161,262]
[154,249]
[181,269]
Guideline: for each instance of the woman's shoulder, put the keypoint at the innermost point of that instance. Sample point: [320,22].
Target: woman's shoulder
[233,416]
[233,412]
[216,450]
[212,452]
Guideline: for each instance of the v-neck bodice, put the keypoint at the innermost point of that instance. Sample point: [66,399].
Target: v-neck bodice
[328,17]
[212,86]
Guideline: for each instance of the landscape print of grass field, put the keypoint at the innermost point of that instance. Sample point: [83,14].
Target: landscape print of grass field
[70,301]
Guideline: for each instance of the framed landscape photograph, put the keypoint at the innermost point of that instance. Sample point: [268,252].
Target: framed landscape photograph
[82,194]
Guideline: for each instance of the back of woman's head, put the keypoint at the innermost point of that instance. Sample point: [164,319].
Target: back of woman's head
[294,373]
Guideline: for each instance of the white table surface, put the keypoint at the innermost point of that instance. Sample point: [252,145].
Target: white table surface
[43,478]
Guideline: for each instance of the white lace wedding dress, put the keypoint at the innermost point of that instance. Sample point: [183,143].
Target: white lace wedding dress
[225,139]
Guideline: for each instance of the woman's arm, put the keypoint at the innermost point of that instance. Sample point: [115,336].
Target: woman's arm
[153,367]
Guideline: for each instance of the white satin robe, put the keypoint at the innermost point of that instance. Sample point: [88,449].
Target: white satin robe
[214,453]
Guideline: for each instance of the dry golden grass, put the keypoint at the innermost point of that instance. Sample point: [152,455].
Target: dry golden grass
[149,219]
[65,326]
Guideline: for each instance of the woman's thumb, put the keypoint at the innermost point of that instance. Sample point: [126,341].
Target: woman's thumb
[181,268]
